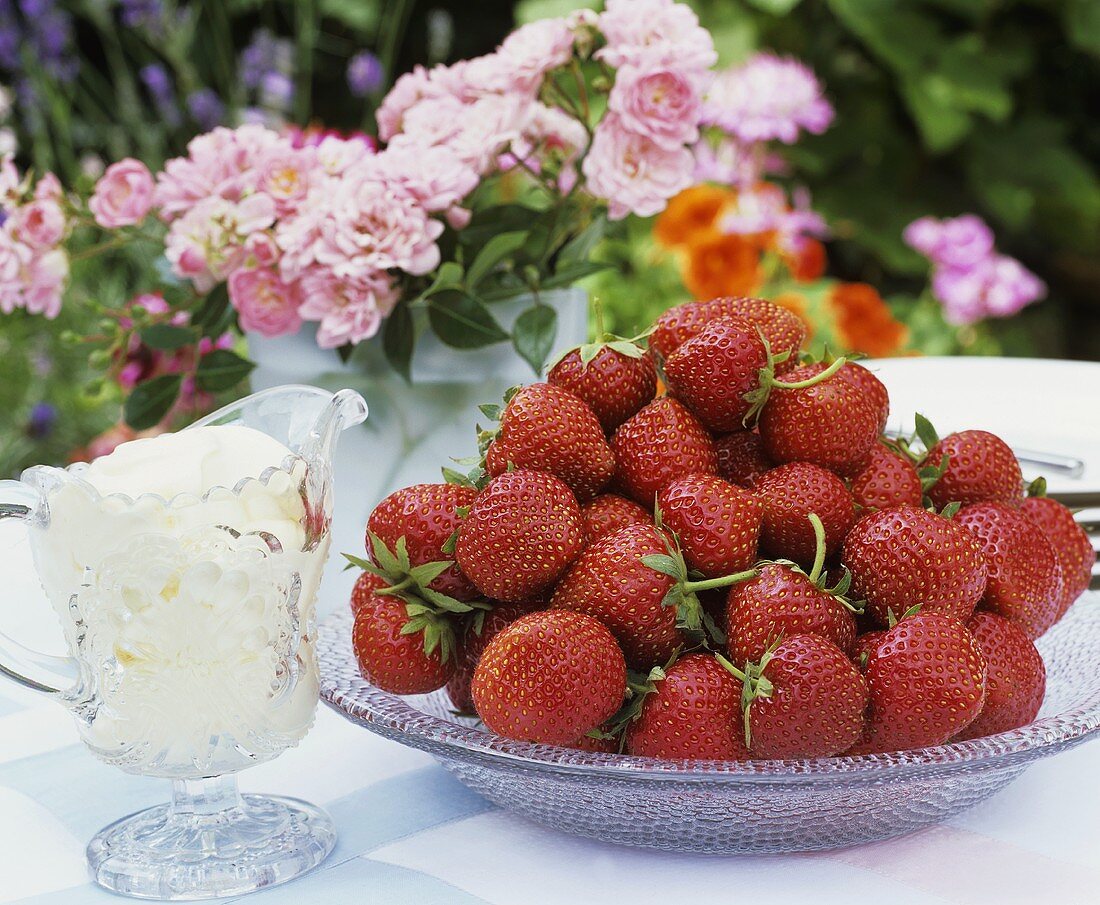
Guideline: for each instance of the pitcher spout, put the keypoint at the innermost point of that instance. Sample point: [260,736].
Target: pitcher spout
[345,409]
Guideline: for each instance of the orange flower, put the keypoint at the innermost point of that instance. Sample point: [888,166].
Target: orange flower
[723,265]
[864,323]
[808,264]
[690,215]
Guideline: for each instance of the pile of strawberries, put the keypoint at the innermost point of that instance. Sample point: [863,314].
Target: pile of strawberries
[707,548]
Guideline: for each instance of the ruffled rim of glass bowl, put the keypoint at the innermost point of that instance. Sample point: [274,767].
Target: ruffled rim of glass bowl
[391,716]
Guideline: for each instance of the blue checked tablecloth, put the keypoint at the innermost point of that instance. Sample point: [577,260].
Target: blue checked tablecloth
[409,833]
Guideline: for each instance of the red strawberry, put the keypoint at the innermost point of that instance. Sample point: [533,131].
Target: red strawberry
[390,658]
[718,524]
[980,467]
[927,683]
[905,556]
[661,443]
[474,643]
[783,330]
[741,457]
[609,513]
[363,591]
[549,677]
[613,381]
[1071,545]
[888,479]
[715,372]
[694,713]
[789,494]
[426,515]
[1025,580]
[781,602]
[805,699]
[833,423]
[610,582]
[864,645]
[546,428]
[522,532]
[1016,678]
[871,388]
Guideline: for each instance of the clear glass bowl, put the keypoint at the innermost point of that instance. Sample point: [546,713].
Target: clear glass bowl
[720,807]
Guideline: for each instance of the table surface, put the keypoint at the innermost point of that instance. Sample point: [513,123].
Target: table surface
[410,833]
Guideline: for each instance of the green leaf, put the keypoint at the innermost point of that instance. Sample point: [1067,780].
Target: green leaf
[1082,22]
[926,431]
[567,276]
[399,340]
[357,15]
[578,249]
[533,335]
[150,401]
[168,336]
[426,573]
[382,554]
[214,315]
[666,565]
[775,7]
[499,247]
[463,322]
[222,370]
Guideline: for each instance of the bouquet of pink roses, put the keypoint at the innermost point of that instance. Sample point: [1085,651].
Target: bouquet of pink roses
[495,179]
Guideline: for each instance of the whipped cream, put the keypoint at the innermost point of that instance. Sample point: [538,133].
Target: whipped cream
[181,569]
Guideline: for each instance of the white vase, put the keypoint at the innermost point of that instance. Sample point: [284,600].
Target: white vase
[413,429]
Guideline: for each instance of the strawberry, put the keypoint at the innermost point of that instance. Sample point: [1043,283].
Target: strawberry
[610,512]
[832,423]
[927,683]
[980,467]
[615,378]
[863,646]
[693,713]
[715,371]
[549,677]
[782,329]
[546,428]
[391,658]
[364,588]
[871,388]
[661,443]
[718,524]
[521,533]
[783,601]
[1016,678]
[804,699]
[904,556]
[888,479]
[425,515]
[789,494]
[741,457]
[1024,575]
[636,583]
[478,634]
[1071,545]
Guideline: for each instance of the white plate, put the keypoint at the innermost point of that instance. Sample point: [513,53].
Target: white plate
[1034,404]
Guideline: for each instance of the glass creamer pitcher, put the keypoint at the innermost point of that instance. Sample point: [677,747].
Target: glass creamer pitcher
[190,624]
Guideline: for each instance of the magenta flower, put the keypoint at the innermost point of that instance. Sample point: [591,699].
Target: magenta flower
[961,242]
[767,98]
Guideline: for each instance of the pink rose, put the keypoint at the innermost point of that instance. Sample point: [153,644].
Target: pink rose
[124,195]
[523,59]
[40,224]
[262,248]
[48,188]
[434,176]
[46,282]
[348,310]
[14,256]
[661,104]
[651,33]
[632,173]
[286,175]
[265,304]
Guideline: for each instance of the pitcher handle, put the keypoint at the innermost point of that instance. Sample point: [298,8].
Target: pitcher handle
[40,672]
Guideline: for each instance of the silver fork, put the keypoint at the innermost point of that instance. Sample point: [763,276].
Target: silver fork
[1088,518]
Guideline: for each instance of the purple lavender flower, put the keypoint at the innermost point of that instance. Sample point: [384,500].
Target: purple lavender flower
[276,90]
[43,418]
[766,98]
[364,74]
[159,85]
[206,108]
[264,55]
[142,14]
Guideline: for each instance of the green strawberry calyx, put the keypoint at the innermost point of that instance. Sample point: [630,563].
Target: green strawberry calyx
[628,347]
[754,684]
[638,686]
[434,614]
[767,381]
[1037,488]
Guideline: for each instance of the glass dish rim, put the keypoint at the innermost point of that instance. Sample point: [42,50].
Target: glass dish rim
[391,716]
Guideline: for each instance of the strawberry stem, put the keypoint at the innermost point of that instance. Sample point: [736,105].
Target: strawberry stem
[811,381]
[406,582]
[819,551]
[724,582]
